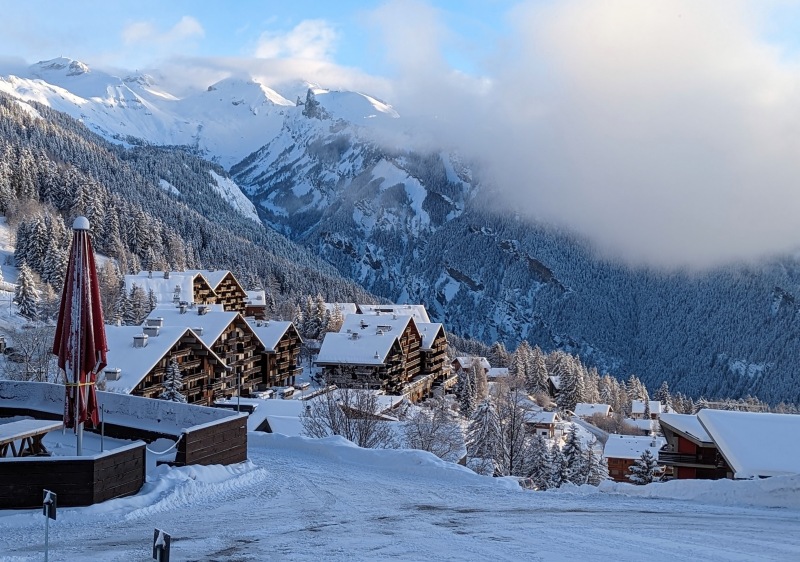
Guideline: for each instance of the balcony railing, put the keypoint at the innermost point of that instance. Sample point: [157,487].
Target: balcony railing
[669,457]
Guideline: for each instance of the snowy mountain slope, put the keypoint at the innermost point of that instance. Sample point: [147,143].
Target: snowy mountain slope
[303,499]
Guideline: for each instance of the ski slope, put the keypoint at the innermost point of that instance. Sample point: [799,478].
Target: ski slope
[303,499]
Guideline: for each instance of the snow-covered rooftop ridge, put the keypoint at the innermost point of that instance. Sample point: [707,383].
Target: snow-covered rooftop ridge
[467,360]
[688,425]
[637,407]
[416,310]
[269,332]
[344,307]
[160,416]
[428,332]
[174,287]
[582,409]
[369,348]
[208,325]
[755,444]
[632,447]
[541,417]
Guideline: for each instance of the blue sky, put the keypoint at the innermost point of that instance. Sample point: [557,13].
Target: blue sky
[138,34]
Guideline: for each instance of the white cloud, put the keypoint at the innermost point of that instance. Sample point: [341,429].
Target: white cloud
[310,39]
[147,32]
[667,131]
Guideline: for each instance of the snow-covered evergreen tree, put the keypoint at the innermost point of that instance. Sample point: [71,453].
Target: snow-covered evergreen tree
[539,463]
[26,295]
[173,383]
[465,392]
[643,470]
[597,466]
[498,355]
[559,469]
[574,457]
[484,439]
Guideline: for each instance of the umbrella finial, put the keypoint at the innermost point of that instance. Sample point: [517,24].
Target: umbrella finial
[81,223]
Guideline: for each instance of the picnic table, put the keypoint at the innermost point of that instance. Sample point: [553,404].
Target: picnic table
[24,437]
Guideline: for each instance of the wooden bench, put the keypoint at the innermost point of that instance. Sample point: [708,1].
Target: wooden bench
[29,434]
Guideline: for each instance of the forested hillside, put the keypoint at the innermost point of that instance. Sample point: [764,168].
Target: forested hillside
[150,208]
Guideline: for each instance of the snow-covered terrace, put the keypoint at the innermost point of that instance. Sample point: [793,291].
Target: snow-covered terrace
[417,311]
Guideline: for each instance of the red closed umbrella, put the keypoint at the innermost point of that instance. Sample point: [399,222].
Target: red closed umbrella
[80,340]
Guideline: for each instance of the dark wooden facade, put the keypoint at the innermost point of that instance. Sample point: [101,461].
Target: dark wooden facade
[242,352]
[230,294]
[198,368]
[279,366]
[77,481]
[223,442]
[434,359]
[618,469]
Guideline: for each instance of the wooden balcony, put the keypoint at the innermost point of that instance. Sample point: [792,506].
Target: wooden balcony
[687,459]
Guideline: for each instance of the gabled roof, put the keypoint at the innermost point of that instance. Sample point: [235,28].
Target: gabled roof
[429,333]
[356,349]
[688,426]
[497,373]
[164,290]
[136,362]
[637,407]
[213,323]
[584,410]
[416,310]
[755,444]
[214,277]
[631,447]
[269,332]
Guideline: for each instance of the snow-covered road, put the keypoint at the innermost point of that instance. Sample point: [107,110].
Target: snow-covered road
[301,499]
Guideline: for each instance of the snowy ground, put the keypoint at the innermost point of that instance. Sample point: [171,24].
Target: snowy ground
[303,499]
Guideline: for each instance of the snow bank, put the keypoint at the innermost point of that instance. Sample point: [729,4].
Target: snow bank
[779,491]
[405,461]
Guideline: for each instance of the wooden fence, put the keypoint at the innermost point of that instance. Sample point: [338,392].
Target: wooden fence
[219,442]
[78,481]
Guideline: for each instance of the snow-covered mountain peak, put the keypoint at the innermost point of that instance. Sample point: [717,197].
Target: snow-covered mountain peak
[246,88]
[61,65]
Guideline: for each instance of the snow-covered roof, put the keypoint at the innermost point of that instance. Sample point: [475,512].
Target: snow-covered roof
[291,426]
[363,324]
[136,362]
[211,324]
[556,381]
[165,290]
[428,331]
[385,402]
[755,444]
[541,417]
[688,425]
[344,307]
[269,332]
[466,362]
[637,407]
[630,447]
[256,298]
[358,348]
[416,310]
[497,373]
[584,410]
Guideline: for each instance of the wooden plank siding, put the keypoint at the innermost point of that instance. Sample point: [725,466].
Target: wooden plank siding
[222,442]
[77,481]
[279,367]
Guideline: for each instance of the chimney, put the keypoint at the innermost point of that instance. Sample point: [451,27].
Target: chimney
[150,331]
[166,275]
[182,307]
[140,340]
[149,274]
[198,331]
[159,322]
[202,309]
[112,374]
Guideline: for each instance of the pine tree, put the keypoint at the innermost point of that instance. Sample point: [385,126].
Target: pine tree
[138,306]
[597,466]
[498,355]
[536,380]
[173,383]
[574,456]
[465,391]
[663,395]
[483,438]
[643,470]
[559,470]
[26,295]
[539,463]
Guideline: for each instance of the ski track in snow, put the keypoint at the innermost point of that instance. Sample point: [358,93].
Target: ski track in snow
[299,499]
